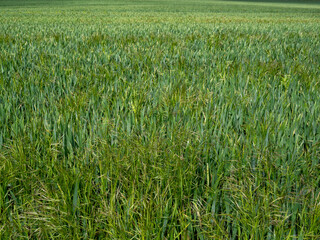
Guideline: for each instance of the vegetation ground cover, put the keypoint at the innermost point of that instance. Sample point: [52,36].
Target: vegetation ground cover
[159,119]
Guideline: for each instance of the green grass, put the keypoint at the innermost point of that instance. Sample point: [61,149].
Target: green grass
[159,120]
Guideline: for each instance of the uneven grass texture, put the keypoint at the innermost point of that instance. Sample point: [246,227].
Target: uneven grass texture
[159,120]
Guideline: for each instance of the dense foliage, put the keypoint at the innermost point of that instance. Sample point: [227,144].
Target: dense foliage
[159,120]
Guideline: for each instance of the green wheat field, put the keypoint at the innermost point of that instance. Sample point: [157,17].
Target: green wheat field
[159,119]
